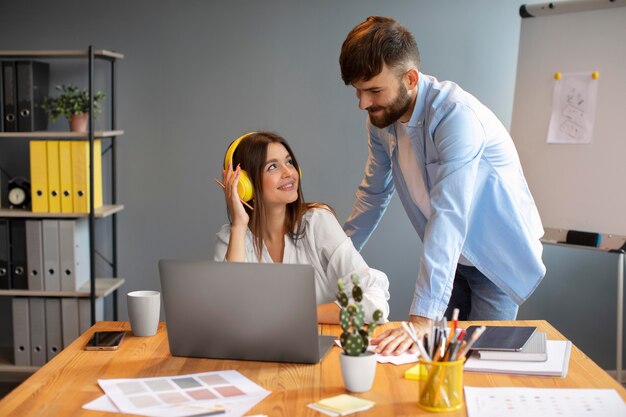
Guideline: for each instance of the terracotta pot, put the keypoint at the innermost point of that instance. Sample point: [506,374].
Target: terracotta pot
[78,122]
[358,371]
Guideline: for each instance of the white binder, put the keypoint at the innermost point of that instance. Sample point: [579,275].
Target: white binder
[37,331]
[74,253]
[34,254]
[54,332]
[69,316]
[21,331]
[84,313]
[50,233]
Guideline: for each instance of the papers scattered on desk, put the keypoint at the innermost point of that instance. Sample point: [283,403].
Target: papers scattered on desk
[394,359]
[543,402]
[341,405]
[557,363]
[225,393]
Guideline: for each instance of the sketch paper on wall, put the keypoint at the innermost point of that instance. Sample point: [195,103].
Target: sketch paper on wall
[573,108]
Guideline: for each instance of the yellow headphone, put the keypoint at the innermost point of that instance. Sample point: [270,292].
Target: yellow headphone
[245,189]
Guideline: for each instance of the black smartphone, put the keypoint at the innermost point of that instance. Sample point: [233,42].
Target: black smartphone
[105,341]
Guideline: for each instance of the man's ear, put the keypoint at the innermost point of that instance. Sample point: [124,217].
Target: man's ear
[411,77]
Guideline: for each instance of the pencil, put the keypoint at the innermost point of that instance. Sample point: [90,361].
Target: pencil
[223,186]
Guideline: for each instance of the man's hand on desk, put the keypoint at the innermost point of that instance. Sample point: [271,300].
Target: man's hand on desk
[396,341]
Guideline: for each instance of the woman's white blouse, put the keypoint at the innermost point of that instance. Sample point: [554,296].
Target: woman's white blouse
[326,247]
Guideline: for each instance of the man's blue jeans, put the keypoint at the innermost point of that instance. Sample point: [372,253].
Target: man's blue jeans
[477,298]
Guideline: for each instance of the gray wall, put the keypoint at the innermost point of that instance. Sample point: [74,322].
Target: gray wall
[198,73]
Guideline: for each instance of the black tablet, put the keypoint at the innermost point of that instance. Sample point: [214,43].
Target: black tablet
[508,338]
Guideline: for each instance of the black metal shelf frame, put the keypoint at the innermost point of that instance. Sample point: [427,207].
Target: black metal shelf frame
[91,56]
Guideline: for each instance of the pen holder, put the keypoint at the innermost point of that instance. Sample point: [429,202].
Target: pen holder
[442,389]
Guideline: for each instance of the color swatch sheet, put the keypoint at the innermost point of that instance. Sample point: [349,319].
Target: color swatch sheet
[226,393]
[543,402]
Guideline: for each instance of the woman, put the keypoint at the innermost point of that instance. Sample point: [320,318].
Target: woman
[279,227]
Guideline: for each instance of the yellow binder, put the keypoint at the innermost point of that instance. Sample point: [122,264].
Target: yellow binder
[65,169]
[54,181]
[39,176]
[80,175]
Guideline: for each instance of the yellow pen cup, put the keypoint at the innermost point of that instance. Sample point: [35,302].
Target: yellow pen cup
[442,389]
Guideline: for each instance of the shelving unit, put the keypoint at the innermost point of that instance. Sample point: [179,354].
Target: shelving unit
[95,287]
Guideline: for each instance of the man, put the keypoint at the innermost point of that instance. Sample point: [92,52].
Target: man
[458,176]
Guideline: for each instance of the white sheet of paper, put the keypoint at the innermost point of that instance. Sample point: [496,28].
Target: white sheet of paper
[543,402]
[234,409]
[396,360]
[573,108]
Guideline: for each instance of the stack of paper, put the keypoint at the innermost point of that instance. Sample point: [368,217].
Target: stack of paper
[342,405]
[557,363]
[224,393]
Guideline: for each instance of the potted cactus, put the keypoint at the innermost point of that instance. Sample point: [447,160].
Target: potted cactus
[358,366]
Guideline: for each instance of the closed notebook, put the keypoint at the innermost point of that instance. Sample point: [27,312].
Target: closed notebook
[533,351]
[557,364]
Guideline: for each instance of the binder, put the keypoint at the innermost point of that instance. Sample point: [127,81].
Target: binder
[21,331]
[9,96]
[80,175]
[39,176]
[19,275]
[54,180]
[5,251]
[34,254]
[65,176]
[74,253]
[69,318]
[4,177]
[1,100]
[84,313]
[37,317]
[54,335]
[50,233]
[32,87]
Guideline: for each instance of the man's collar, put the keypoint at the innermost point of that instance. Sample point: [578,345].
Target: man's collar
[417,117]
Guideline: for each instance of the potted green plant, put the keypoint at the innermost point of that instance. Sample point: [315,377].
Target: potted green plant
[73,104]
[358,366]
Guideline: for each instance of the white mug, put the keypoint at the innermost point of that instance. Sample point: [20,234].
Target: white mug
[144,308]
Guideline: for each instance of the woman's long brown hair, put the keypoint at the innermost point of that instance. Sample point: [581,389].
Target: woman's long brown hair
[251,154]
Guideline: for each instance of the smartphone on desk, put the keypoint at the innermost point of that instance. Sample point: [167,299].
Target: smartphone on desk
[105,341]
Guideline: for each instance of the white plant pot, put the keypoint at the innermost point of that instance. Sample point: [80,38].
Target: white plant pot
[358,371]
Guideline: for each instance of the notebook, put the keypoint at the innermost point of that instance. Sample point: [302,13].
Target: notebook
[249,311]
[557,363]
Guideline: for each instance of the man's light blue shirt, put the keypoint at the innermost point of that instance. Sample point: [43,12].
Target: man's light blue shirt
[481,205]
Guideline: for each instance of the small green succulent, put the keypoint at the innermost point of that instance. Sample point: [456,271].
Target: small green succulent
[355,336]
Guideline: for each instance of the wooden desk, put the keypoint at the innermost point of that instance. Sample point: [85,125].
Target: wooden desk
[67,382]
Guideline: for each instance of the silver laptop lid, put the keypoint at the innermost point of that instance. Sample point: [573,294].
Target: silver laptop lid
[251,311]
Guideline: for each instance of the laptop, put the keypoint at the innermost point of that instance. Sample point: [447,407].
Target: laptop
[249,311]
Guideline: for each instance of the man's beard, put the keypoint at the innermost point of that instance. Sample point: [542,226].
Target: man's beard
[392,112]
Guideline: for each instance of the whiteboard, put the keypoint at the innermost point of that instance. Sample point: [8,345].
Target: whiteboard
[575,186]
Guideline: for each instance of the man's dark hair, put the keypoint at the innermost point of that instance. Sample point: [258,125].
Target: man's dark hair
[376,41]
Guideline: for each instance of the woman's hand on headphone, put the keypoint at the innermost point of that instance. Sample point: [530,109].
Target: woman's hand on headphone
[238,214]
